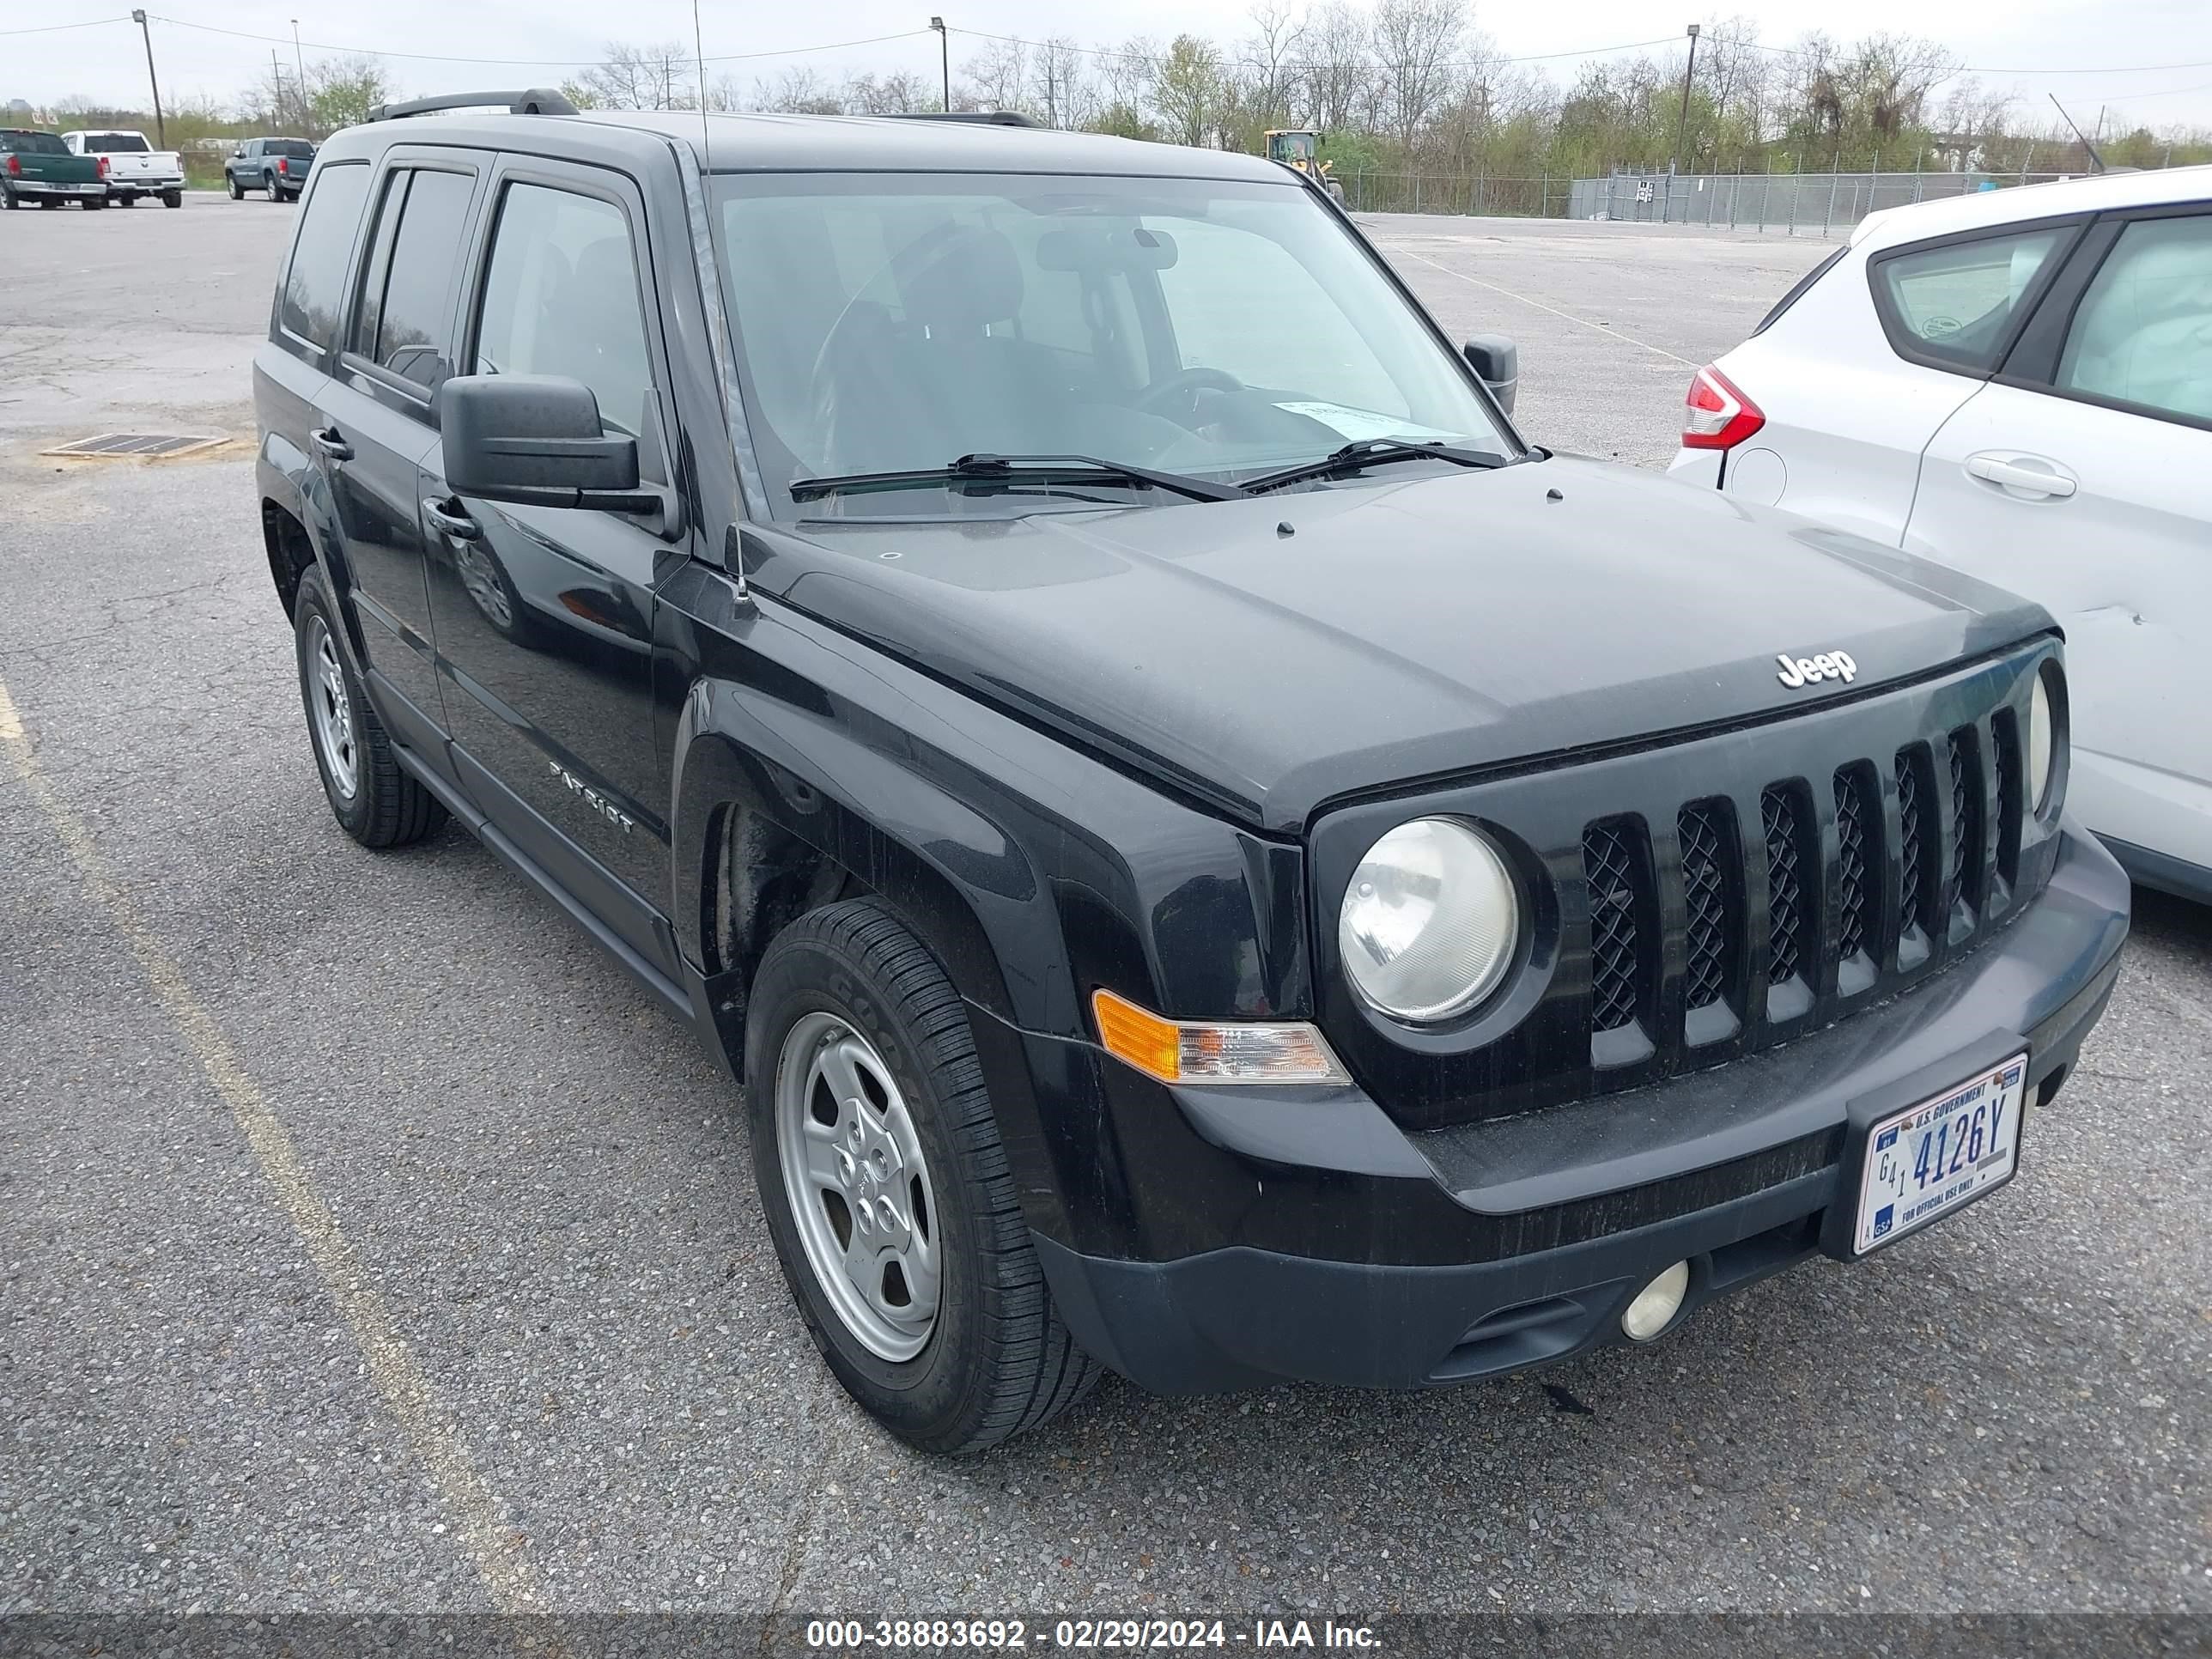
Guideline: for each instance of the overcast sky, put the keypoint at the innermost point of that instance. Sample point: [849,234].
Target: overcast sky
[2099,44]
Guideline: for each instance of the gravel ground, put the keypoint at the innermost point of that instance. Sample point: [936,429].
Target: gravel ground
[368,1243]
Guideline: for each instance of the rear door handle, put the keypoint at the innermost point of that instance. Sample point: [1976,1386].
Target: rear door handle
[458,525]
[2044,480]
[331,444]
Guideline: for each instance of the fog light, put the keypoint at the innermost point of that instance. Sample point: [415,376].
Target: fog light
[1656,1303]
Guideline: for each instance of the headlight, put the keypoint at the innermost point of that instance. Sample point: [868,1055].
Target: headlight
[2042,758]
[1430,921]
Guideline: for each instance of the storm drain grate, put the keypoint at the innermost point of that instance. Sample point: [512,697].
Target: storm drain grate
[119,446]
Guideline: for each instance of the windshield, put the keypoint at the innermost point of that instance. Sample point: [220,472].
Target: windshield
[116,143]
[1197,326]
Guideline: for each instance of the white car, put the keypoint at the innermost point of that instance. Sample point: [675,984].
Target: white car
[134,168]
[2018,384]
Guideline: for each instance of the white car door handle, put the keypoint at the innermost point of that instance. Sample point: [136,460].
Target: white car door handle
[2029,480]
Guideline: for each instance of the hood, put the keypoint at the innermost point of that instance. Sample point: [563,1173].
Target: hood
[1269,656]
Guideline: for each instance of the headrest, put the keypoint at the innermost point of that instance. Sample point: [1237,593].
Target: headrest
[962,278]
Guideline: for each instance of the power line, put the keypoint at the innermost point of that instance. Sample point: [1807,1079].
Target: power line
[54,29]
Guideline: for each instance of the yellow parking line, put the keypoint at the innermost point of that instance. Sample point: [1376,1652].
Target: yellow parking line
[495,1548]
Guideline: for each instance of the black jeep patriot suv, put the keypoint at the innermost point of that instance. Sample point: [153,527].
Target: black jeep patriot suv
[1208,854]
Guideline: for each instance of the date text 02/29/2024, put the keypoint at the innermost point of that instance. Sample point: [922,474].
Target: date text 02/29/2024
[1009,1635]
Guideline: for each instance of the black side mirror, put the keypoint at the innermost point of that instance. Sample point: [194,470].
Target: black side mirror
[535,439]
[1497,360]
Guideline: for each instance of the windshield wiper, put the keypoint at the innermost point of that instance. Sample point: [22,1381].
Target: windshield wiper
[1368,451]
[1017,469]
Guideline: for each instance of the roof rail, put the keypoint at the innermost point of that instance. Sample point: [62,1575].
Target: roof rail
[532,100]
[982,118]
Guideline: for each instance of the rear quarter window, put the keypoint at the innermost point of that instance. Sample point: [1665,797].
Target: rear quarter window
[314,288]
[1956,304]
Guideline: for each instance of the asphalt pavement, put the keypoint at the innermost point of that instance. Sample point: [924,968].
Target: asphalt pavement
[369,1243]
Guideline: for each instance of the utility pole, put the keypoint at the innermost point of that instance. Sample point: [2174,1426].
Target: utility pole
[1682,122]
[161,129]
[944,59]
[277,80]
[300,64]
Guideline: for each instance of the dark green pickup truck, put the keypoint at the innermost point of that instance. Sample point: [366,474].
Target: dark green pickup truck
[37,166]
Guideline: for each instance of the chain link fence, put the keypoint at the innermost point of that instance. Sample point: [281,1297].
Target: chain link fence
[1796,204]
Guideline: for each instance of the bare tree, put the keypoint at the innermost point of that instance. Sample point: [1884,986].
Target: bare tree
[662,76]
[1269,59]
[900,92]
[797,91]
[1336,68]
[1414,44]
[1059,83]
[998,77]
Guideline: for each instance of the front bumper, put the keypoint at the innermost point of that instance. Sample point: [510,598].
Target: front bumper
[1556,1219]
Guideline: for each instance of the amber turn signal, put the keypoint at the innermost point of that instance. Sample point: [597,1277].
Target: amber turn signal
[1174,1051]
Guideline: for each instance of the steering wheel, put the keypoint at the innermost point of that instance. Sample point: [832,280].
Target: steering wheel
[1160,399]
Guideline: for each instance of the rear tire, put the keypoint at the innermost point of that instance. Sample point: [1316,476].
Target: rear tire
[10,198]
[993,1357]
[173,199]
[375,799]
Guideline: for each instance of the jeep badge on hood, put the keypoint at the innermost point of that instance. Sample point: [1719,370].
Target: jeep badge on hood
[1828,666]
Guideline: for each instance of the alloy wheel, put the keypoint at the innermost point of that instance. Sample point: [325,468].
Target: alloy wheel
[859,1185]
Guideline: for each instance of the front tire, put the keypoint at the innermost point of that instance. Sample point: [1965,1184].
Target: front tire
[93,203]
[374,799]
[237,191]
[887,1193]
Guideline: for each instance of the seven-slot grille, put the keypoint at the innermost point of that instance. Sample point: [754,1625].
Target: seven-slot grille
[1851,893]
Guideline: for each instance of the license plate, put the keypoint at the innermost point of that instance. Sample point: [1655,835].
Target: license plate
[1928,1159]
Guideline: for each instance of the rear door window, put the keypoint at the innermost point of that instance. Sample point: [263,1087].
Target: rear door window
[404,324]
[2143,334]
[314,289]
[1954,306]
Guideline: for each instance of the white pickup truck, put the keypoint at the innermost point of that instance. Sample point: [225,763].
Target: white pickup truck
[132,167]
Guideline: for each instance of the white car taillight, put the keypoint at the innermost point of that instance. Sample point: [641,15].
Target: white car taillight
[1717,415]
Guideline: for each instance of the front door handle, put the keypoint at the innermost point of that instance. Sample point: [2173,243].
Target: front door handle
[326,439]
[2028,480]
[458,525]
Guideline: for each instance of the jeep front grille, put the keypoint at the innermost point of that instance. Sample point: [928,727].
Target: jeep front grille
[1843,890]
